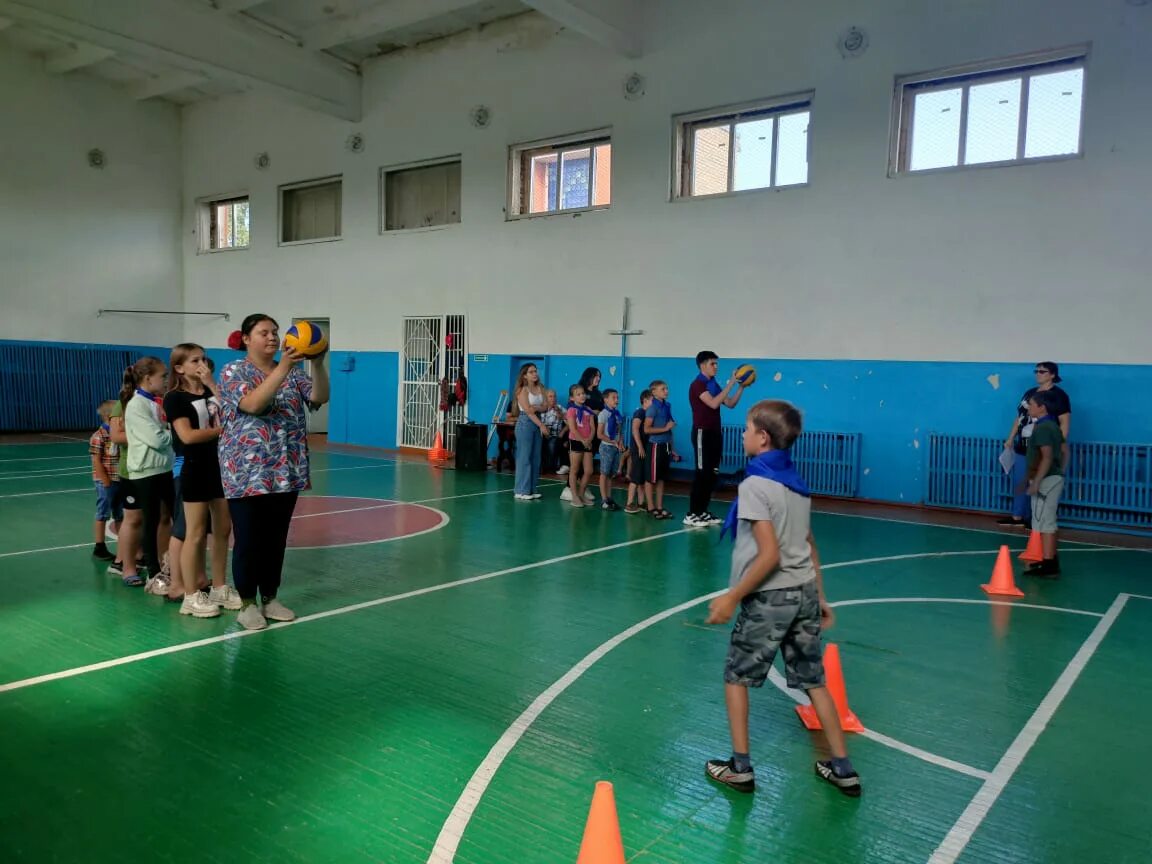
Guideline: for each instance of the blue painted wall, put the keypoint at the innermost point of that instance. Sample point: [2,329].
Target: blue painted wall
[894,405]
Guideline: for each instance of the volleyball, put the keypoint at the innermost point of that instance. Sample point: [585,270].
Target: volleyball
[745,374]
[306,339]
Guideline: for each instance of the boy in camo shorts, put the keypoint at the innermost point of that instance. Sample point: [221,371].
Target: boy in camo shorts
[777,585]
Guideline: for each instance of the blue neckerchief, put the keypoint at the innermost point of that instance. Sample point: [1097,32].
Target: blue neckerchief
[774,465]
[710,384]
[106,428]
[147,395]
[612,427]
[1047,418]
[580,409]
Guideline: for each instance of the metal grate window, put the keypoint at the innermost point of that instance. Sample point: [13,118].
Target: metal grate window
[571,174]
[435,351]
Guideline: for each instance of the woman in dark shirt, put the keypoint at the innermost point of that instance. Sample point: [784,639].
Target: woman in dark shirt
[1047,377]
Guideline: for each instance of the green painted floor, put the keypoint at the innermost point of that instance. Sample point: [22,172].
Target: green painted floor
[351,736]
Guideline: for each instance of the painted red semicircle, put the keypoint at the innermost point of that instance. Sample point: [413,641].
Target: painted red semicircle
[322,520]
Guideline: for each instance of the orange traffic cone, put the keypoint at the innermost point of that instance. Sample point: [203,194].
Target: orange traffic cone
[438,453]
[602,843]
[1034,554]
[1003,580]
[834,677]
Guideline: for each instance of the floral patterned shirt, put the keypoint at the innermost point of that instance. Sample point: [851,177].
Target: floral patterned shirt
[265,453]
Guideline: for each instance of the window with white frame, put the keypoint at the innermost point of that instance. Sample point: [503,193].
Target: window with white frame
[1013,111]
[757,145]
[423,195]
[310,211]
[223,223]
[563,175]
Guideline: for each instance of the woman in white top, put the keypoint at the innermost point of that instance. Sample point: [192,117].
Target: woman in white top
[530,431]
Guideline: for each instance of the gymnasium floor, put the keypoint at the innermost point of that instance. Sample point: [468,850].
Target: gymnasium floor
[463,686]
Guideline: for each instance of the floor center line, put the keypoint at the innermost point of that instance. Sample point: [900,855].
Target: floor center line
[974,814]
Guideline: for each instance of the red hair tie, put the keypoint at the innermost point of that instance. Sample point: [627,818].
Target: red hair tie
[236,340]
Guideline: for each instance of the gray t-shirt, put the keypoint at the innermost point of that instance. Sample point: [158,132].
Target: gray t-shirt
[790,513]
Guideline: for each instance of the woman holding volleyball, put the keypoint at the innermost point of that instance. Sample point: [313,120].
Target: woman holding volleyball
[264,459]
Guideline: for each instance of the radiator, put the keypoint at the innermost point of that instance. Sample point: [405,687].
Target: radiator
[1105,483]
[828,461]
[57,388]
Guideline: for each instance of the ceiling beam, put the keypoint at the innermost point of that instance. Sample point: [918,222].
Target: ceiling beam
[75,56]
[614,24]
[376,20]
[164,84]
[190,38]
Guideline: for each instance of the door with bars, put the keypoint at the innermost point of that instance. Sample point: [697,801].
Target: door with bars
[434,350]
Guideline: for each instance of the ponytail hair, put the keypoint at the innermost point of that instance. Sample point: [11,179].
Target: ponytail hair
[236,337]
[136,373]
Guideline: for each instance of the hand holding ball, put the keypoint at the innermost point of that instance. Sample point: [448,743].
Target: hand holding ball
[306,339]
[745,374]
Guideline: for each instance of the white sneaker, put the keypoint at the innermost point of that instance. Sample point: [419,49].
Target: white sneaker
[710,519]
[589,498]
[199,606]
[157,585]
[109,534]
[694,521]
[274,610]
[563,469]
[251,619]
[535,495]
[520,497]
[226,596]
[566,495]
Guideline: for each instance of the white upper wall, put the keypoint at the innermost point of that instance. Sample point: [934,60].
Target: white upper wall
[972,265]
[74,239]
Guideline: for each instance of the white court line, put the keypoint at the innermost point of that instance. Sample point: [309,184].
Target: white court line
[343,610]
[954,527]
[454,826]
[957,839]
[42,459]
[880,738]
[306,516]
[45,549]
[49,492]
[867,601]
[45,475]
[447,842]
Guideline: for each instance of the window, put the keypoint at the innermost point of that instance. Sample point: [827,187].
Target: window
[310,212]
[561,176]
[223,223]
[760,145]
[1006,113]
[420,196]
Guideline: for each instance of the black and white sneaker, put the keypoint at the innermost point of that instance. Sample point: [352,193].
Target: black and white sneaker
[694,521]
[709,519]
[724,771]
[849,784]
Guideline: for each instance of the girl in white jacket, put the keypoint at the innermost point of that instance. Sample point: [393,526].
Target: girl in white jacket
[149,455]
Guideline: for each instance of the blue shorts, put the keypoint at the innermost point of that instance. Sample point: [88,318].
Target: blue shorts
[108,502]
[609,459]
